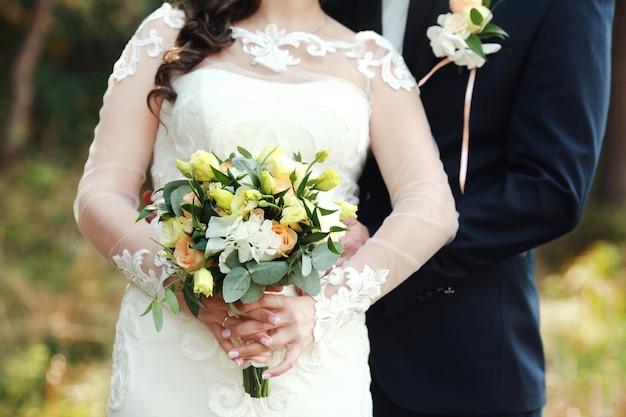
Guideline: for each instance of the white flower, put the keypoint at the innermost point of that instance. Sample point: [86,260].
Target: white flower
[252,239]
[448,40]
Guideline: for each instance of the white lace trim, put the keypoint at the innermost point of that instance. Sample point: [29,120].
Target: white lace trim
[127,64]
[354,297]
[268,48]
[130,265]
[120,377]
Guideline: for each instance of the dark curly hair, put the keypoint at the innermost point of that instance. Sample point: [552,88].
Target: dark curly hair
[206,31]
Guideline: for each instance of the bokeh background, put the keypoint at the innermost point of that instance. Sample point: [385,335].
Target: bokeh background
[59,299]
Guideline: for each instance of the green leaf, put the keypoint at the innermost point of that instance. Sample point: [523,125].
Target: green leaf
[244,152]
[176,198]
[476,17]
[145,212]
[233,260]
[474,44]
[313,238]
[252,167]
[191,299]
[171,301]
[157,315]
[267,273]
[310,283]
[149,309]
[253,294]
[323,257]
[487,3]
[492,30]
[236,284]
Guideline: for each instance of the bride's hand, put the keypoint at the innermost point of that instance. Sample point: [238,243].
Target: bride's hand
[216,315]
[293,319]
[354,238]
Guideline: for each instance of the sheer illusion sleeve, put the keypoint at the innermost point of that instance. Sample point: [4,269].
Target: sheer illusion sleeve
[423,218]
[107,200]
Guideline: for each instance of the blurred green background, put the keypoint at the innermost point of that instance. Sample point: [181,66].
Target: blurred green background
[59,299]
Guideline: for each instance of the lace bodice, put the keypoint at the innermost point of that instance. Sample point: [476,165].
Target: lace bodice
[349,94]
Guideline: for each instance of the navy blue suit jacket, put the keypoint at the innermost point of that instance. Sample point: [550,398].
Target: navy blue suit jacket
[538,118]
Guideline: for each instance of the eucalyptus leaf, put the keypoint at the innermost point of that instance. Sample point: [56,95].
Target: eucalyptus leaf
[267,273]
[250,166]
[176,198]
[233,260]
[310,283]
[236,284]
[157,315]
[171,301]
[323,257]
[253,294]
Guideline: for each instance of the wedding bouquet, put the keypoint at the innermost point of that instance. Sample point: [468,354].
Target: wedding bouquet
[235,227]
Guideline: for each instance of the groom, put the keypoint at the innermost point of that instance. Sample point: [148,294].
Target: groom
[461,337]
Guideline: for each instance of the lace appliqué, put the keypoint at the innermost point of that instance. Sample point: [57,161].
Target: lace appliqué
[266,47]
[130,265]
[127,64]
[269,48]
[393,69]
[354,297]
[120,374]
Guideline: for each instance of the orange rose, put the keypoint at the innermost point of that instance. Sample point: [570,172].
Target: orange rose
[186,257]
[288,237]
[457,6]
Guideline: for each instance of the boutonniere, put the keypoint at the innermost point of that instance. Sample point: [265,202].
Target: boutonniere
[458,37]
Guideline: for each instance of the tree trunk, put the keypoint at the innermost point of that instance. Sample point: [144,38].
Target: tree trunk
[19,122]
[612,177]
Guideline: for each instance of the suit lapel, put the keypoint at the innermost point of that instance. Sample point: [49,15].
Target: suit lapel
[417,52]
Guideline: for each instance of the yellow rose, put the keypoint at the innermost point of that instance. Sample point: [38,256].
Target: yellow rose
[252,195]
[283,166]
[268,185]
[486,18]
[458,6]
[288,238]
[269,153]
[222,197]
[328,180]
[201,163]
[203,282]
[292,216]
[186,257]
[172,230]
[347,210]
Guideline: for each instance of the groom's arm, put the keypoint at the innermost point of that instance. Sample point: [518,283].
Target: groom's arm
[557,126]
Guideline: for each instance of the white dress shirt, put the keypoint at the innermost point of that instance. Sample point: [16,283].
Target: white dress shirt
[394,21]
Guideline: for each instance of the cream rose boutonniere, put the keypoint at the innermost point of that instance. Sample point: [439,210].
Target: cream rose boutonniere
[458,37]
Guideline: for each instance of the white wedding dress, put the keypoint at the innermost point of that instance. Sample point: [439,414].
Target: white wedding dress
[269,87]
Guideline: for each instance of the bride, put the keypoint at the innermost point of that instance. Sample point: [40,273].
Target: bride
[217,74]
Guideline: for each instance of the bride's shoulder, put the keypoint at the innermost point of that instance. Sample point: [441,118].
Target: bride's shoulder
[156,33]
[166,17]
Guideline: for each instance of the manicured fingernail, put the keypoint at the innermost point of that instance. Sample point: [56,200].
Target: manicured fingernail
[266,375]
[238,362]
[226,333]
[273,320]
[233,354]
[266,341]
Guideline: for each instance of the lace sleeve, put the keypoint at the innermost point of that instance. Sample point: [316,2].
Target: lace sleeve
[423,218]
[108,193]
